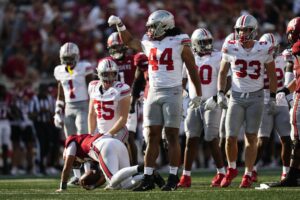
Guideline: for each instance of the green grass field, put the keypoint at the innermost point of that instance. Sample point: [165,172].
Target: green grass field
[44,188]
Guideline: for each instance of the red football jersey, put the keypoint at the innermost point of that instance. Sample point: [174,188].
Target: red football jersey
[126,69]
[83,143]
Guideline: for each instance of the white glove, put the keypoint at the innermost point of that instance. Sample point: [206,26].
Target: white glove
[210,103]
[59,105]
[271,109]
[222,101]
[281,99]
[114,20]
[58,122]
[195,102]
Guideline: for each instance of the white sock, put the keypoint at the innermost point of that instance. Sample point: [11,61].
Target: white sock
[186,173]
[77,173]
[87,166]
[255,168]
[148,170]
[248,172]
[232,165]
[285,169]
[173,170]
[221,170]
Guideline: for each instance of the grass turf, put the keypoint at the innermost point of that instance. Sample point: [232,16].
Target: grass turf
[44,188]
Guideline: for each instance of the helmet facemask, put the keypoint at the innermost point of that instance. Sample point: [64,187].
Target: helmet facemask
[155,30]
[108,77]
[248,34]
[69,60]
[107,72]
[203,46]
[293,36]
[158,23]
[69,54]
[117,51]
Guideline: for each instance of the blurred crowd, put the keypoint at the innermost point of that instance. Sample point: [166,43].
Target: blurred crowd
[32,31]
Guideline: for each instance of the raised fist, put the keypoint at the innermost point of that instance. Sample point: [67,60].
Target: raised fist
[113,20]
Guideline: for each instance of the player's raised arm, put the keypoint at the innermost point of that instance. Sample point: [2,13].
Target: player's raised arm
[126,36]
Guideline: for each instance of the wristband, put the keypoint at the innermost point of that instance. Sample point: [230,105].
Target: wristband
[63,185]
[221,91]
[273,95]
[121,27]
[286,91]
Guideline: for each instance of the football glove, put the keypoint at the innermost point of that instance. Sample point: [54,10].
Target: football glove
[210,103]
[221,100]
[195,102]
[114,20]
[58,121]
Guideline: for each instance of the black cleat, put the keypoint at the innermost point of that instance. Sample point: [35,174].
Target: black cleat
[171,184]
[286,182]
[158,180]
[146,184]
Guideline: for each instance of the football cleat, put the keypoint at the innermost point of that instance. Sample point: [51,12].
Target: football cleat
[185,181]
[246,182]
[254,176]
[283,175]
[230,175]
[171,184]
[146,184]
[216,182]
[158,180]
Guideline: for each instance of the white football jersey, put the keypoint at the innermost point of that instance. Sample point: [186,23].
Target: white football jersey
[106,104]
[208,70]
[165,62]
[74,85]
[247,67]
[279,68]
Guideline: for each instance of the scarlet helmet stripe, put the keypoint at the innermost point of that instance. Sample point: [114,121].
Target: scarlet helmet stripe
[272,38]
[205,32]
[243,20]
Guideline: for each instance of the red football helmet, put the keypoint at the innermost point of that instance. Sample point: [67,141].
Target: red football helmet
[293,30]
[116,47]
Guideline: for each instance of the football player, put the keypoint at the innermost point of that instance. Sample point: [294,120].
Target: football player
[279,119]
[247,59]
[109,102]
[208,115]
[166,48]
[118,52]
[113,159]
[72,103]
[292,178]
